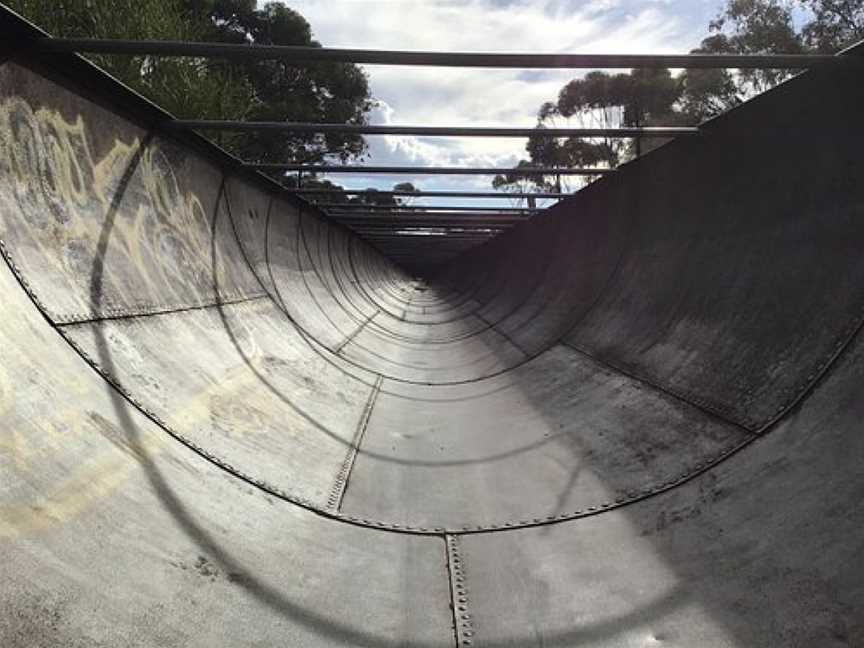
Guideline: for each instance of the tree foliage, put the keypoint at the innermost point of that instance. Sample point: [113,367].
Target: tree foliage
[656,97]
[377,197]
[836,24]
[334,193]
[214,89]
[636,99]
[765,27]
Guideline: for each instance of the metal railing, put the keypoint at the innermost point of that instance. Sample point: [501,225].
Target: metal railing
[404,230]
[306,55]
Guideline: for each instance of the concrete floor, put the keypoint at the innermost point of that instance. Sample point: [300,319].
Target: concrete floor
[635,421]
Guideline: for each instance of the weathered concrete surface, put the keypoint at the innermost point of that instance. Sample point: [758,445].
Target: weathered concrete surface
[635,421]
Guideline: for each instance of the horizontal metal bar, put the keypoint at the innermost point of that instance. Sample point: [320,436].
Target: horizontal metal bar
[418,260]
[431,131]
[418,256]
[437,234]
[417,245]
[407,240]
[304,55]
[382,217]
[467,228]
[457,221]
[386,217]
[362,227]
[418,251]
[435,194]
[456,218]
[432,238]
[396,231]
[407,170]
[375,229]
[427,231]
[431,232]
[350,207]
[354,222]
[398,221]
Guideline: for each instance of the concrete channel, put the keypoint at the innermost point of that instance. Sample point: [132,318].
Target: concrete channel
[635,420]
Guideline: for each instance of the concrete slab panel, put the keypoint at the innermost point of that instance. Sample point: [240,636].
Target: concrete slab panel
[560,434]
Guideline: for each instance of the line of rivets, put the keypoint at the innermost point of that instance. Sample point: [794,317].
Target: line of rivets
[461,614]
[342,476]
[144,310]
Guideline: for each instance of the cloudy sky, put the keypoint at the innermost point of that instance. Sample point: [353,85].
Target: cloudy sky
[485,97]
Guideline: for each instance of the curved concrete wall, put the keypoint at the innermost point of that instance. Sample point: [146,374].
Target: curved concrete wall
[632,421]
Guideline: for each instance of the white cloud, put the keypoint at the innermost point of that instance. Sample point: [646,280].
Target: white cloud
[486,97]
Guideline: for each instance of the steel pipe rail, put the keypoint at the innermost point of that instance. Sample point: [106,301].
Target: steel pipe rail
[411,243]
[431,131]
[403,225]
[419,215]
[365,233]
[330,207]
[455,218]
[431,236]
[425,225]
[410,254]
[403,170]
[407,231]
[412,251]
[465,223]
[447,250]
[304,55]
[385,217]
[432,218]
[433,194]
[446,225]
[420,230]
